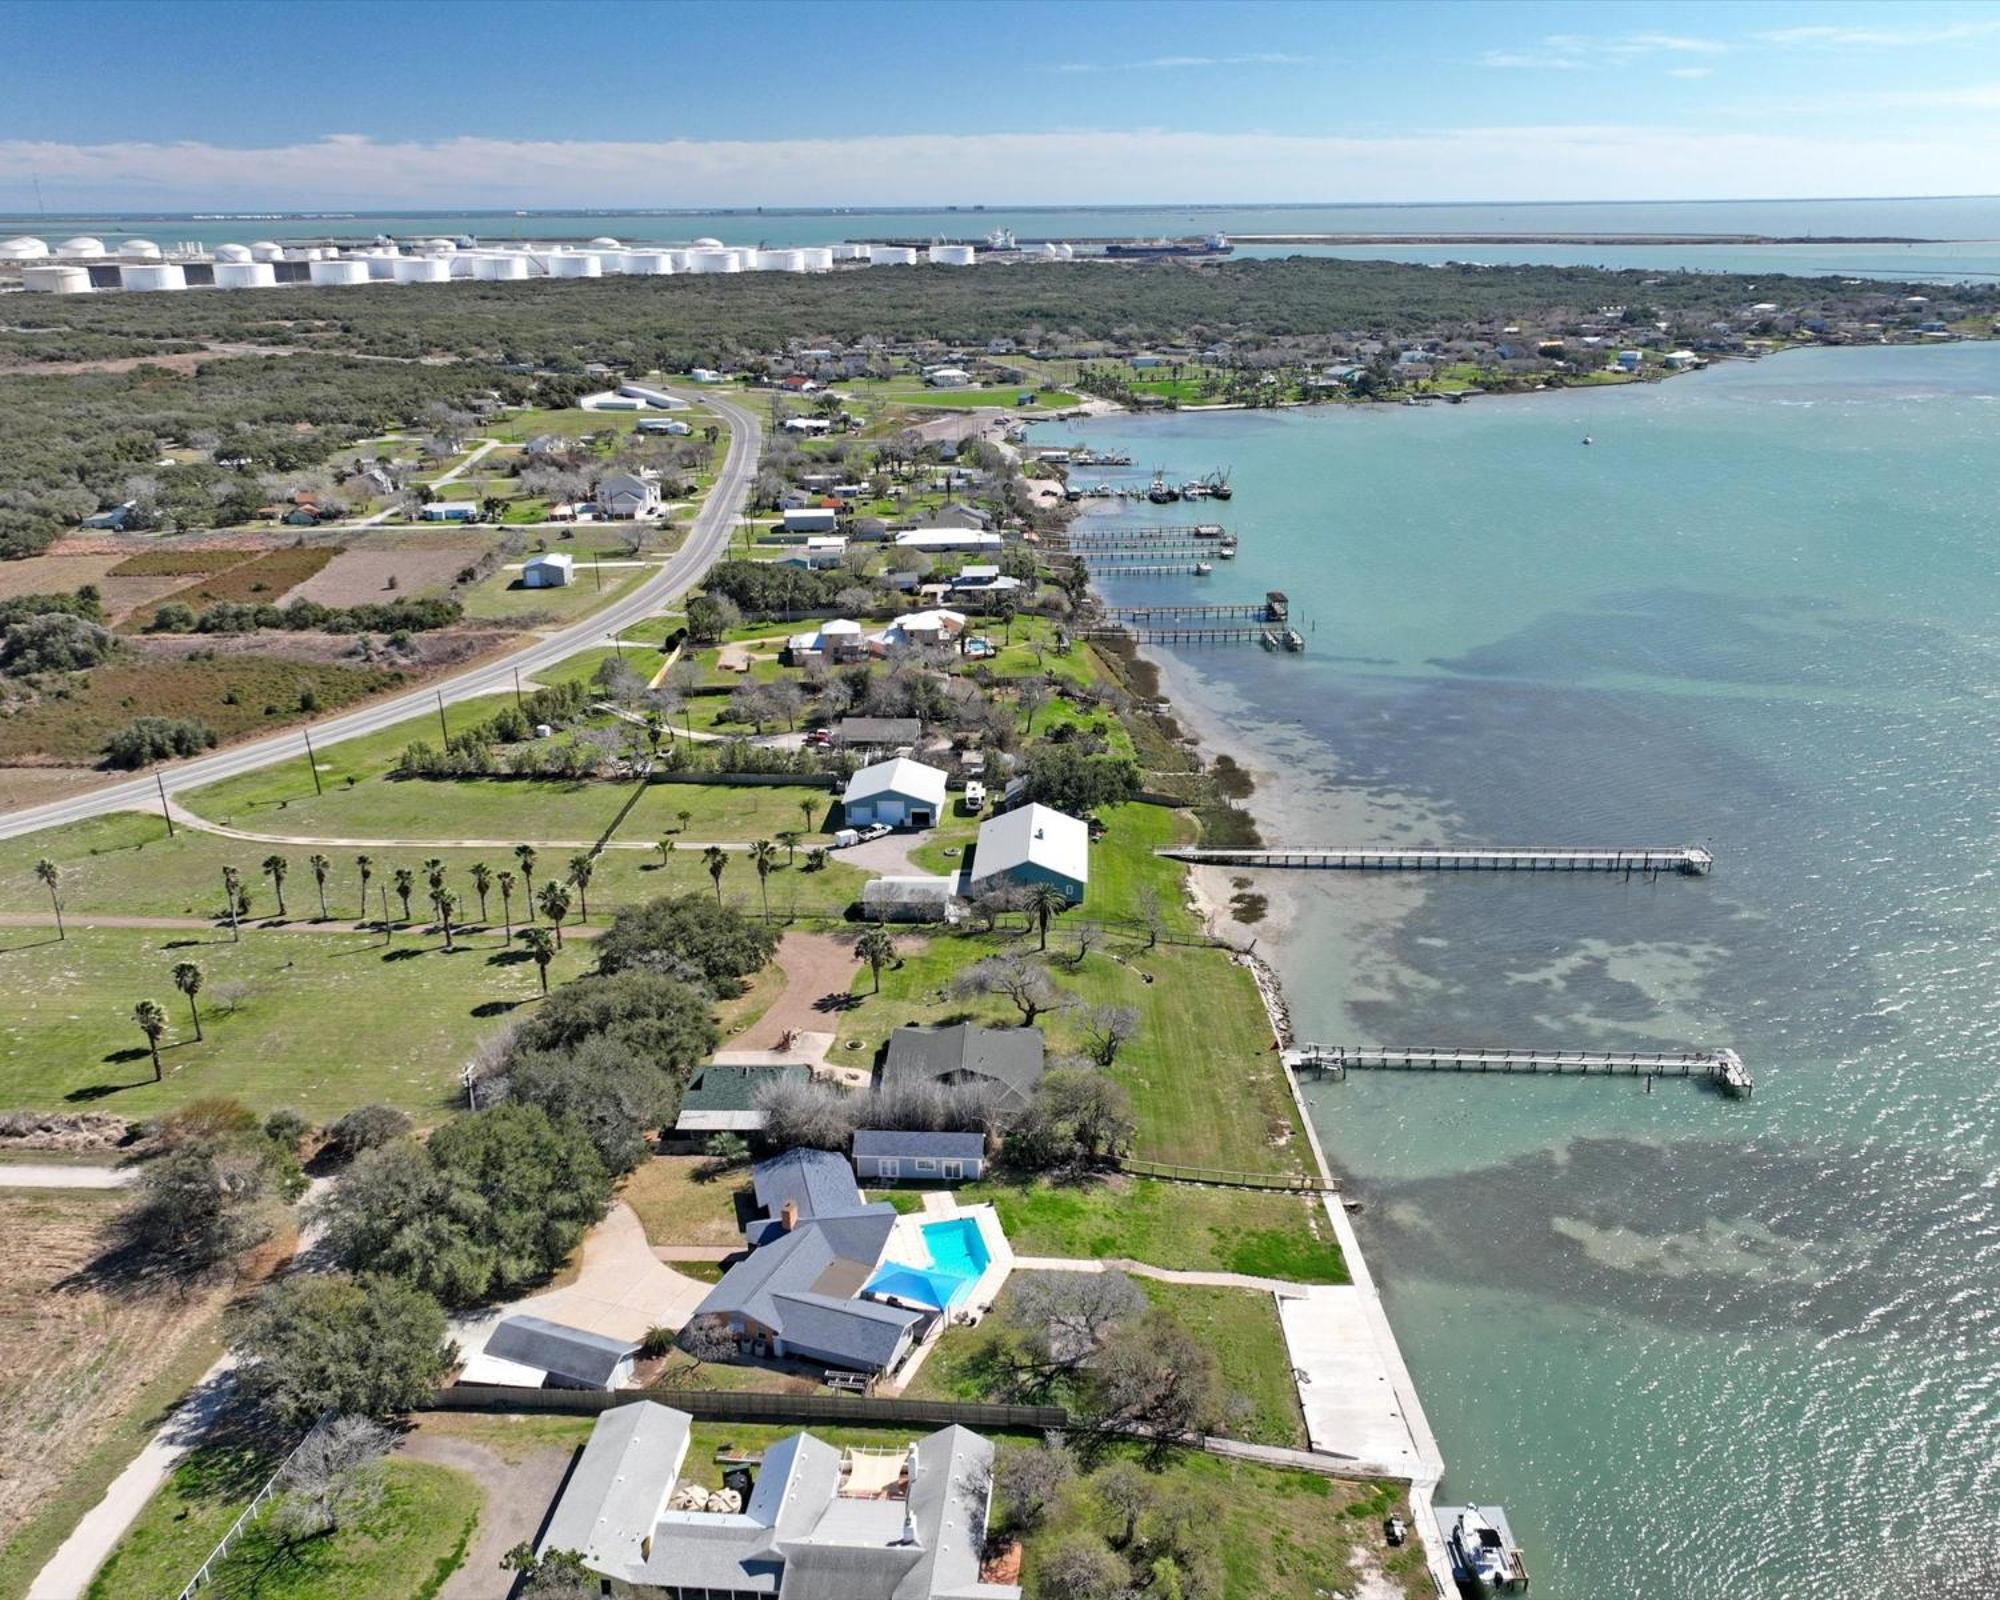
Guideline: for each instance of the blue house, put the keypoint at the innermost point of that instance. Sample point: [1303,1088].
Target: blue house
[894,1157]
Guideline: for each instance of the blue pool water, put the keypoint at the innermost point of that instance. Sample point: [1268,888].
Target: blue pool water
[958,1257]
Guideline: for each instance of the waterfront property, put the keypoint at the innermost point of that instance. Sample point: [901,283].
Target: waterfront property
[900,793]
[812,1520]
[1007,1062]
[919,1155]
[1033,844]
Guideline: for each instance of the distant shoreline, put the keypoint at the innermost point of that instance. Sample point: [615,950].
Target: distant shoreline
[1576,238]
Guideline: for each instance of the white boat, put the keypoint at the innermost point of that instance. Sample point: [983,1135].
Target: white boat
[1203,568]
[1479,1553]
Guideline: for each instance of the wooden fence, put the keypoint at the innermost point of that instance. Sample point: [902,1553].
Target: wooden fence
[729,1405]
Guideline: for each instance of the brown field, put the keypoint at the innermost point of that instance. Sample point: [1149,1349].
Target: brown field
[123,596]
[22,787]
[76,1348]
[234,694]
[259,581]
[197,562]
[54,574]
[360,575]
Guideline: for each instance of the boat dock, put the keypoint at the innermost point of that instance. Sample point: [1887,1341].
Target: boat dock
[1689,861]
[1179,633]
[1111,549]
[1724,1067]
[1273,608]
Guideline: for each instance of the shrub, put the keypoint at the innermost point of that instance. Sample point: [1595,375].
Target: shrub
[55,642]
[145,740]
[368,1128]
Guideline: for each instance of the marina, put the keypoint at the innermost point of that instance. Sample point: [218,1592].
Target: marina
[1688,861]
[1724,1067]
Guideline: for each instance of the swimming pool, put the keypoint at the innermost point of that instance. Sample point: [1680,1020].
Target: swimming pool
[958,1257]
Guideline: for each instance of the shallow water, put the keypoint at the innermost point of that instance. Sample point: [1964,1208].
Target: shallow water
[1697,1347]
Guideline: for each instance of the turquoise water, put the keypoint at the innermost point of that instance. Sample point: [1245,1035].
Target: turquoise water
[1697,1347]
[958,1257]
[1969,228]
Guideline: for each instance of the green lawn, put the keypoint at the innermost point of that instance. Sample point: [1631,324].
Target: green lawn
[1239,1325]
[403,1549]
[502,598]
[124,865]
[1123,866]
[1206,1087]
[1178,1226]
[318,1022]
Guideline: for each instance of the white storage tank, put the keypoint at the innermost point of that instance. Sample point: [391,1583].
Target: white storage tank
[649,263]
[500,268]
[83,245]
[23,247]
[465,264]
[781,261]
[817,258]
[604,241]
[706,244]
[56,280]
[382,265]
[893,255]
[575,266]
[852,252]
[306,252]
[149,276]
[333,274]
[232,252]
[422,269]
[139,250]
[439,247]
[245,274]
[704,259]
[265,250]
[953,255]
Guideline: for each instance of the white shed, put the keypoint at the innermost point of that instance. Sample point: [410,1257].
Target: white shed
[551,570]
[898,792]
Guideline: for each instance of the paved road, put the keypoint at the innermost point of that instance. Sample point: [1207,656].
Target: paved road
[706,542]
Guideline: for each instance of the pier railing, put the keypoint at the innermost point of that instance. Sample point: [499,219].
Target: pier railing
[1725,1067]
[1685,860]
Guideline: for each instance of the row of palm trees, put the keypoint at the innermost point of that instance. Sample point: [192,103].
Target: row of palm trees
[151,1016]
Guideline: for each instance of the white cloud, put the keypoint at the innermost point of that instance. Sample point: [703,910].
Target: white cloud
[1880,38]
[1077,167]
[1260,58]
[1565,52]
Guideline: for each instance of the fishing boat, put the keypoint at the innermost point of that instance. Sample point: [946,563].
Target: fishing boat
[1227,549]
[1162,493]
[1218,485]
[1484,1558]
[1203,568]
[1210,530]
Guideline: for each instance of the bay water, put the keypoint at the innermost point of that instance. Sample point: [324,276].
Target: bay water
[1698,1347]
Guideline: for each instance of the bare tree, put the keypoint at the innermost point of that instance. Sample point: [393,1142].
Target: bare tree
[703,1341]
[1151,913]
[335,1476]
[1026,1481]
[809,1115]
[1107,1029]
[1067,1316]
[1026,986]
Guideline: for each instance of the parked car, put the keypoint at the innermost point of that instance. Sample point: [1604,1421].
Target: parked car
[876,830]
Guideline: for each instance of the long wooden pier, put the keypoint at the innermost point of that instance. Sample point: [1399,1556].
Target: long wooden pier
[1686,860]
[1180,633]
[1172,532]
[1724,1067]
[1148,550]
[1273,608]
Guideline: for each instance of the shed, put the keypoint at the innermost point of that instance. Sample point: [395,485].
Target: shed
[552,570]
[571,1358]
[891,1157]
[1034,844]
[877,733]
[899,792]
[909,899]
[450,511]
[811,519]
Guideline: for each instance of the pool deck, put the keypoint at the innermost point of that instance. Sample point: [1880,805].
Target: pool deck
[907,1245]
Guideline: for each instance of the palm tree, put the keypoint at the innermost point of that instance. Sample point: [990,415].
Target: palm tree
[764,856]
[482,884]
[187,979]
[320,868]
[525,854]
[506,882]
[666,849]
[152,1022]
[580,868]
[542,948]
[554,901]
[434,873]
[367,866]
[446,903]
[809,809]
[232,887]
[403,880]
[716,858]
[878,949]
[275,868]
[51,875]
[684,818]
[789,838]
[1043,902]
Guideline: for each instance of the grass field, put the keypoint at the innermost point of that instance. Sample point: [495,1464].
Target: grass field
[677,1205]
[85,1364]
[502,597]
[263,579]
[1178,1226]
[403,1548]
[124,865]
[321,1022]
[1239,1325]
[1206,1089]
[234,695]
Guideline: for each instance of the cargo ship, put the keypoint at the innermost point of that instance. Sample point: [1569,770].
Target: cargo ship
[1152,249]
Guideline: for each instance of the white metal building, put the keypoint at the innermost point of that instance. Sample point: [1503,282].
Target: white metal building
[551,570]
[899,792]
[1034,844]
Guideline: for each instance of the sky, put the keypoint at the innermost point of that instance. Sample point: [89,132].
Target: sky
[210,105]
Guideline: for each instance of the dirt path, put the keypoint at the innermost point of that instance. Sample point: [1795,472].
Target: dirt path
[57,1175]
[518,1496]
[819,971]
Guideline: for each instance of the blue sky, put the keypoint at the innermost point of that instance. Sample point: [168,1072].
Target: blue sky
[199,105]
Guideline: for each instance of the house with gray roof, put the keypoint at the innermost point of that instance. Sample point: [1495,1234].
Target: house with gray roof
[898,1156]
[801,1292]
[818,1524]
[564,1357]
[1009,1061]
[723,1099]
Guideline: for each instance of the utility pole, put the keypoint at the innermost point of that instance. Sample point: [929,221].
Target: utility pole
[618,644]
[597,568]
[518,703]
[166,811]
[443,727]
[312,761]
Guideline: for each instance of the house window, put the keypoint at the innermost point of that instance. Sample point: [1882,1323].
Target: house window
[954,1169]
[926,1164]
